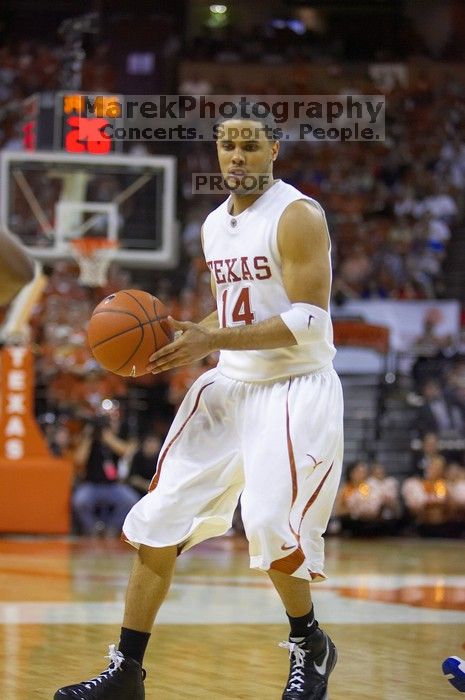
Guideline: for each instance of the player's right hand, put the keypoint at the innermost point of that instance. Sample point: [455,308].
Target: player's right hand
[194,342]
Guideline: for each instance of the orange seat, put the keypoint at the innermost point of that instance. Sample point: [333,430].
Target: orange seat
[362,335]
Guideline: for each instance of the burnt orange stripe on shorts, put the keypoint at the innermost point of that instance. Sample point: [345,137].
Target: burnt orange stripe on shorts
[156,478]
[315,494]
[289,564]
[290,451]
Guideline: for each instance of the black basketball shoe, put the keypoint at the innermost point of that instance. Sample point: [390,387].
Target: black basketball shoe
[123,680]
[308,675]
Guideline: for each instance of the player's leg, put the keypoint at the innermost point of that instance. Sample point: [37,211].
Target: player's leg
[294,592]
[148,586]
[296,597]
[312,653]
[291,480]
[198,481]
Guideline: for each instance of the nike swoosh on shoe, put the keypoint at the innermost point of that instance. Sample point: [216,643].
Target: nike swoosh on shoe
[321,668]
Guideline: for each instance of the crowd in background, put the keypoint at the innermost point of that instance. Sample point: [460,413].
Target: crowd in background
[392,208]
[392,205]
[430,502]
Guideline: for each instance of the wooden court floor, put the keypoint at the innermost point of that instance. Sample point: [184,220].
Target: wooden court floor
[395,608]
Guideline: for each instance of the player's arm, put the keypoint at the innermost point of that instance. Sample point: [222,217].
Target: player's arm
[16,267]
[210,321]
[303,245]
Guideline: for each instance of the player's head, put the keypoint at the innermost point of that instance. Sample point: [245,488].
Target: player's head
[357,472]
[246,152]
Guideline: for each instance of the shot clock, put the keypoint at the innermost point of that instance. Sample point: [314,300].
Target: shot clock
[82,123]
[71,123]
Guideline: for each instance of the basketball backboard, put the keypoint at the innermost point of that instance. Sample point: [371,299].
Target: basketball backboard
[48,198]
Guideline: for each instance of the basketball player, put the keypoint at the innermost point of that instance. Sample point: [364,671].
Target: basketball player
[266,422]
[16,268]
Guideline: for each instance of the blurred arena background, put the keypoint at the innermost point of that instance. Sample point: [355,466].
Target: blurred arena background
[395,210]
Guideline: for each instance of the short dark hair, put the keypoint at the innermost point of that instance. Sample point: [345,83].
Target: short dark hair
[252,111]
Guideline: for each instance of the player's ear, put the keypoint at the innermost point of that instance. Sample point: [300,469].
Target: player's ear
[274,150]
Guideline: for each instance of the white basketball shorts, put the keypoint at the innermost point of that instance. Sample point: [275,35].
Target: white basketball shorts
[280,444]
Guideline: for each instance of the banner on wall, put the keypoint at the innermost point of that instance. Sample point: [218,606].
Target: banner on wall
[405,319]
[20,436]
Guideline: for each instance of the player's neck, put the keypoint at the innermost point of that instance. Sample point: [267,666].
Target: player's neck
[241,202]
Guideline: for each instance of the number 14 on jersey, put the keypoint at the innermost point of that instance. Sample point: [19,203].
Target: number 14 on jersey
[241,312]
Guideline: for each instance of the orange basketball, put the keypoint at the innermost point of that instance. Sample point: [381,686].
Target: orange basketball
[125,329]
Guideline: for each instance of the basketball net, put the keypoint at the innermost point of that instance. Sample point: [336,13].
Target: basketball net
[93,256]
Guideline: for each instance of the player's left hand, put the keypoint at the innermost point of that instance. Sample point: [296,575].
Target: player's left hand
[193,341]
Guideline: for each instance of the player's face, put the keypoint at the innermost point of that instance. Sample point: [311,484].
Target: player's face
[246,155]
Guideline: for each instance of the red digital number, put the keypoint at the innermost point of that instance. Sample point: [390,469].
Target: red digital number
[87,135]
[29,136]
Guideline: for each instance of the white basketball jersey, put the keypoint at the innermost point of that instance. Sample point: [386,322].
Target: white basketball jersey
[242,254]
